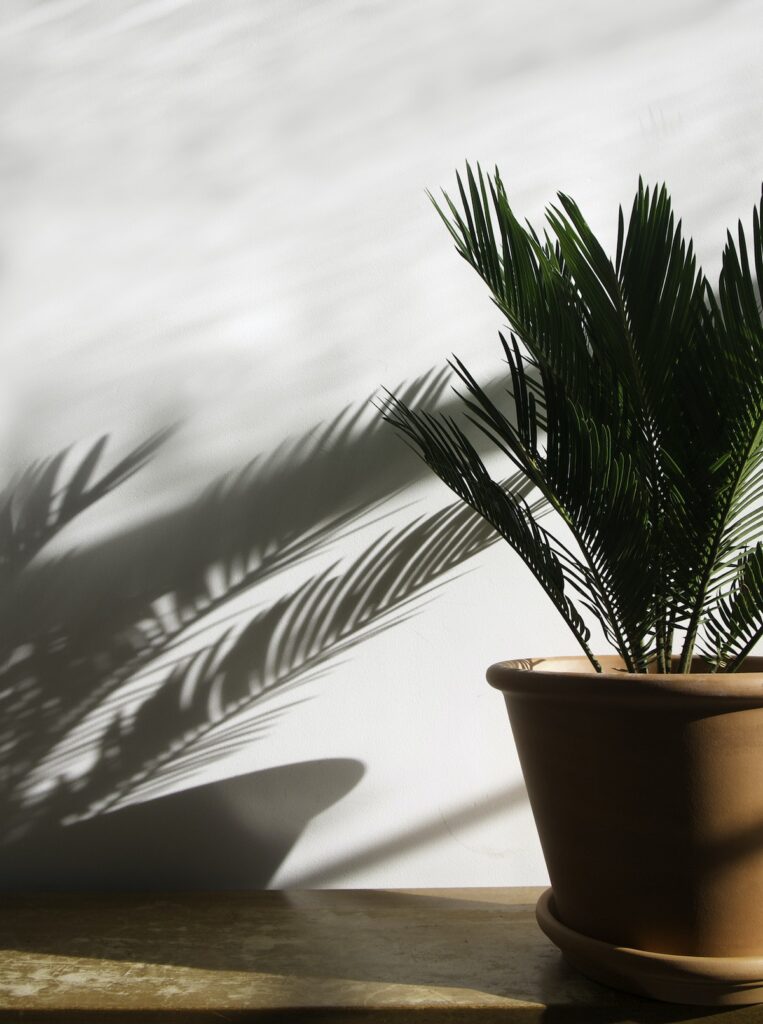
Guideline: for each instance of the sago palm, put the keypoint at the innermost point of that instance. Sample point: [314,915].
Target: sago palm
[634,404]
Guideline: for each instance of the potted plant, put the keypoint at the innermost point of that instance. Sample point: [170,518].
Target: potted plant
[634,404]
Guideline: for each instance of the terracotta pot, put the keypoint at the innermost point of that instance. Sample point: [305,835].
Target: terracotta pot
[647,792]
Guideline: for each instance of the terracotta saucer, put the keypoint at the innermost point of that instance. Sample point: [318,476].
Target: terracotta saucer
[701,980]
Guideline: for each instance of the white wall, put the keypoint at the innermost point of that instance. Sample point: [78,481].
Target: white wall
[215,214]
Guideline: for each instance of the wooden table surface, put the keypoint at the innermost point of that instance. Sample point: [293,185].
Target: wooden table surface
[444,955]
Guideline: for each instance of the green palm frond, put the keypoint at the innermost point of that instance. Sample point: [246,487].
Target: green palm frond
[735,624]
[723,402]
[634,403]
[446,449]
[579,454]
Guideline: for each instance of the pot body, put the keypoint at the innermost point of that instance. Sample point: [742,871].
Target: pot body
[647,792]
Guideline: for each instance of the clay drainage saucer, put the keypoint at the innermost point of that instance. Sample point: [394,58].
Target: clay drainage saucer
[701,980]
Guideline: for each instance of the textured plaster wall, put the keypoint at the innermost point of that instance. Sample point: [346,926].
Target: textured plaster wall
[214,215]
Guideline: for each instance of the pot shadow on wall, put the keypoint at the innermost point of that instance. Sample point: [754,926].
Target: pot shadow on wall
[127,658]
[232,834]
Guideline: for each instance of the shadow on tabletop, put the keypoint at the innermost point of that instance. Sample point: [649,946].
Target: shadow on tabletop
[392,1015]
[480,942]
[372,936]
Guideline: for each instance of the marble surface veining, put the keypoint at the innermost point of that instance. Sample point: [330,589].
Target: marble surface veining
[383,955]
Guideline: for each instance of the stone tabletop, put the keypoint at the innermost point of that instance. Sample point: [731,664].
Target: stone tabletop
[446,955]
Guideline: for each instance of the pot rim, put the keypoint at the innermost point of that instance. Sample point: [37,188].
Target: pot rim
[574,676]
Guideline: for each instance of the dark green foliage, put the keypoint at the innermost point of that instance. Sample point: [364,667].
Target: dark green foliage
[634,404]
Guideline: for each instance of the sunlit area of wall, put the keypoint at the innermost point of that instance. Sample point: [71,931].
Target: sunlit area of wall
[251,611]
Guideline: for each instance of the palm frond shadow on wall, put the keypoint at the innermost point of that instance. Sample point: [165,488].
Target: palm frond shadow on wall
[80,629]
